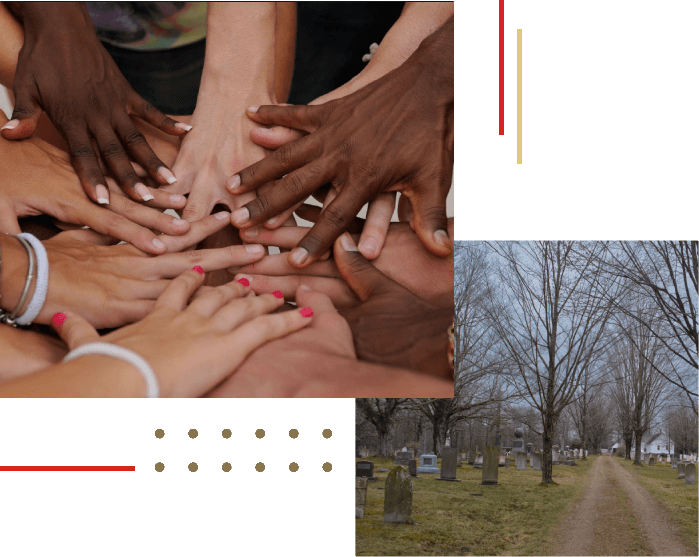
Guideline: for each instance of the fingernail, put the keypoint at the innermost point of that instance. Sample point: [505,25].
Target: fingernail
[277,294]
[442,238]
[167,175]
[179,223]
[233,182]
[58,320]
[272,221]
[254,249]
[305,287]
[143,192]
[176,199]
[223,215]
[240,216]
[11,125]
[158,244]
[102,194]
[198,269]
[369,245]
[251,232]
[306,312]
[244,281]
[253,109]
[347,242]
[184,127]
[299,256]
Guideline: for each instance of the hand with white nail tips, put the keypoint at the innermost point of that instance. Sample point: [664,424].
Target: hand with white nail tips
[111,285]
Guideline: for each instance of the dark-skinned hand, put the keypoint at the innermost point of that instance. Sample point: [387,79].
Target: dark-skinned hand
[395,134]
[64,70]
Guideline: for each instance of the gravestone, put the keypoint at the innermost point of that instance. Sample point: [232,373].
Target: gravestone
[490,466]
[412,468]
[501,460]
[680,470]
[673,463]
[507,461]
[428,464]
[398,497]
[448,472]
[402,457]
[471,456]
[478,463]
[554,457]
[521,461]
[518,443]
[365,469]
[529,447]
[651,461]
[360,496]
[690,471]
[536,461]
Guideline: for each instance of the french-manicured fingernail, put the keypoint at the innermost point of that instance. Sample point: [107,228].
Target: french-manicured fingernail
[177,199]
[11,125]
[198,269]
[251,232]
[223,215]
[180,223]
[347,242]
[183,127]
[272,221]
[253,109]
[102,194]
[369,245]
[277,294]
[299,255]
[240,216]
[143,192]
[306,312]
[305,287]
[158,244]
[442,238]
[254,249]
[58,319]
[167,175]
[233,182]
[244,281]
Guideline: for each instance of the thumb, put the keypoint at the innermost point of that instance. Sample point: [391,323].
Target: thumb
[8,219]
[25,114]
[361,276]
[429,213]
[73,329]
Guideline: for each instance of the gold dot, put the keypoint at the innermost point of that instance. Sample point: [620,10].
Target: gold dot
[293,467]
[260,467]
[293,433]
[226,433]
[159,467]
[193,433]
[193,467]
[159,433]
[327,433]
[226,467]
[260,433]
[327,467]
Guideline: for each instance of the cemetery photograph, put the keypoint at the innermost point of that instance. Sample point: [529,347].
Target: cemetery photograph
[573,429]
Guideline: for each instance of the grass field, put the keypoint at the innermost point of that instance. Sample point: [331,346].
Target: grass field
[678,498]
[512,518]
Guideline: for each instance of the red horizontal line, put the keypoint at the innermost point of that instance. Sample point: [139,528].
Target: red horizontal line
[67,468]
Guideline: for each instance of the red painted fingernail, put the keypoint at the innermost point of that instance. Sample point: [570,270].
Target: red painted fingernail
[198,269]
[244,281]
[278,294]
[58,320]
[306,312]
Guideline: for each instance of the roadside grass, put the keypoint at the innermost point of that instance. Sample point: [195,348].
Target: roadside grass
[512,518]
[676,497]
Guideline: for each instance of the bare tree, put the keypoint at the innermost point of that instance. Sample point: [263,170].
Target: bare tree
[380,413]
[682,429]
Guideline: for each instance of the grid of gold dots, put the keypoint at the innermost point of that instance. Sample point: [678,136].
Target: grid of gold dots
[226,434]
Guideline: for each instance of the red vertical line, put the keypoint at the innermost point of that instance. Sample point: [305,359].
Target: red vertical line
[502,67]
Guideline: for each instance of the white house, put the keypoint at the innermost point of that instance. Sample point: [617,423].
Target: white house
[652,442]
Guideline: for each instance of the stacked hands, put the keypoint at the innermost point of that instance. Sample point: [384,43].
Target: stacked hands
[348,307]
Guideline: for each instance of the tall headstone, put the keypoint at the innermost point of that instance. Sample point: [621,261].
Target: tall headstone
[507,461]
[490,466]
[398,497]
[673,462]
[428,464]
[365,469]
[690,472]
[518,442]
[680,470]
[554,457]
[448,471]
[360,496]
[521,461]
[536,460]
[478,463]
[471,456]
[412,468]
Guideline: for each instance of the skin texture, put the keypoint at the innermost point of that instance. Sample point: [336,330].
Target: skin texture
[395,134]
[25,351]
[212,334]
[113,285]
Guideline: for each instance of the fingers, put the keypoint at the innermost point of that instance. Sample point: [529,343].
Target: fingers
[173,264]
[198,231]
[147,112]
[299,117]
[278,265]
[26,113]
[137,146]
[150,218]
[199,204]
[8,219]
[430,216]
[325,316]
[73,329]
[286,237]
[376,225]
[86,164]
[265,328]
[360,274]
[239,311]
[273,138]
[119,165]
[179,291]
[208,304]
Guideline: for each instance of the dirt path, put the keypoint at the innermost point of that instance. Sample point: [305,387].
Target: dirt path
[616,516]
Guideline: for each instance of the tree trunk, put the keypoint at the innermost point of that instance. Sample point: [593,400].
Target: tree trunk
[628,443]
[385,441]
[638,434]
[547,457]
[584,424]
[439,436]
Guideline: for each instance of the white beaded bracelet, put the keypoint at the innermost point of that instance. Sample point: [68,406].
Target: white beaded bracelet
[115,351]
[42,280]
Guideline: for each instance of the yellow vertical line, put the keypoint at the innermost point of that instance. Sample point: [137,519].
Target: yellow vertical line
[519,96]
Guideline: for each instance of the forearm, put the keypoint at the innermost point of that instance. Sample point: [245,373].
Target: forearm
[24,352]
[11,40]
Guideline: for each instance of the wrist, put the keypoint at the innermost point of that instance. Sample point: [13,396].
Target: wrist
[53,15]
